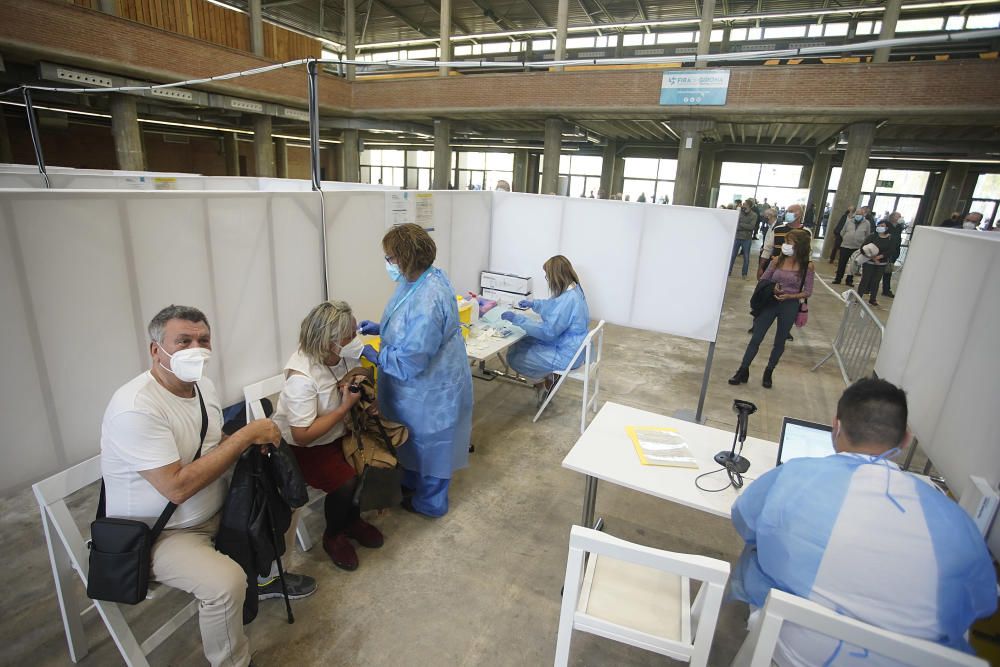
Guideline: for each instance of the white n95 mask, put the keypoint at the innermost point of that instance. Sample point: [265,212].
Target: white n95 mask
[188,365]
[787,249]
[353,349]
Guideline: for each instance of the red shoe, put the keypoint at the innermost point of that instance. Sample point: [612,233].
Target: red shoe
[341,551]
[366,534]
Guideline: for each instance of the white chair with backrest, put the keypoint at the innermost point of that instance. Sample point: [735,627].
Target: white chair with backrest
[252,394]
[639,596]
[586,373]
[68,554]
[782,607]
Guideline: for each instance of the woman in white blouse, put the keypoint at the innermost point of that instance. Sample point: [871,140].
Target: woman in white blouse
[314,405]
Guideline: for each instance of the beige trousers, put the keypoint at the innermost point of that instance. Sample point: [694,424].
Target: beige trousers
[185,558]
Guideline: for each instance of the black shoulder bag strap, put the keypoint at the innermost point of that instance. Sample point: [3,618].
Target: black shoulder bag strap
[168,511]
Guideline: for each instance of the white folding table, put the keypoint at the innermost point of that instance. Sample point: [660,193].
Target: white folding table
[605,452]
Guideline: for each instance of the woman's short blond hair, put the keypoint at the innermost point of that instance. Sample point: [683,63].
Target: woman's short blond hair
[411,246]
[560,274]
[325,326]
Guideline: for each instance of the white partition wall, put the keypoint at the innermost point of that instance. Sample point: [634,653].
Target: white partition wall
[940,346]
[649,266]
[81,274]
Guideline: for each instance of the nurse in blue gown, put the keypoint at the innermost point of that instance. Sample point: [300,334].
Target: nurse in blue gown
[424,379]
[551,343]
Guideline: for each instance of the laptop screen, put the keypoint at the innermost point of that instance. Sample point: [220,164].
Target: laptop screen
[800,439]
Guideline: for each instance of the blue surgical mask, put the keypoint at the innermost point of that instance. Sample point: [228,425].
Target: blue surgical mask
[858,218]
[789,217]
[394,273]
[880,229]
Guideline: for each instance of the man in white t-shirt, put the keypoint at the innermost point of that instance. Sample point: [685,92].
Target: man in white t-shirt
[149,437]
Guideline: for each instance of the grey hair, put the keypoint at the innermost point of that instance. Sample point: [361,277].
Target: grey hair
[158,324]
[325,325]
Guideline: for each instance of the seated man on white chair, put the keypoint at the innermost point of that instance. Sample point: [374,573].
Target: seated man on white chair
[856,534]
[149,437]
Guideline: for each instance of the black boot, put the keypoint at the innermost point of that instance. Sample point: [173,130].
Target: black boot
[766,381]
[741,376]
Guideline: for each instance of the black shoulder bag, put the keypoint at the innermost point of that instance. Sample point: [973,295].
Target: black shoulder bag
[121,549]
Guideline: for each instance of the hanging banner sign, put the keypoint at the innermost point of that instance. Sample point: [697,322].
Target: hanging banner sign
[688,87]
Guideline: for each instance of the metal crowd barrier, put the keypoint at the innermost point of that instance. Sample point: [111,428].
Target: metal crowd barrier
[857,341]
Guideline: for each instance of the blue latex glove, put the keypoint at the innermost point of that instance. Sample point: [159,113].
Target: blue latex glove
[370,354]
[525,303]
[507,315]
[369,328]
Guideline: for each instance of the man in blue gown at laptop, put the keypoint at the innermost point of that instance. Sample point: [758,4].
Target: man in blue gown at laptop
[856,534]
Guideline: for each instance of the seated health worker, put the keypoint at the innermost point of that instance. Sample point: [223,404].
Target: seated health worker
[424,379]
[551,343]
[854,533]
[312,414]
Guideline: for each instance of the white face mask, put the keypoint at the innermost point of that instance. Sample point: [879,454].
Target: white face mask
[353,349]
[968,225]
[787,249]
[188,364]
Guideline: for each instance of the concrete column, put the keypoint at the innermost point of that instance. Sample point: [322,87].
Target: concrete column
[687,159]
[350,168]
[705,30]
[6,154]
[951,192]
[706,169]
[263,146]
[231,153]
[126,133]
[713,190]
[442,154]
[608,167]
[617,176]
[520,183]
[889,19]
[550,156]
[859,147]
[445,31]
[281,157]
[818,179]
[620,45]
[329,158]
[256,28]
[350,35]
[108,7]
[562,29]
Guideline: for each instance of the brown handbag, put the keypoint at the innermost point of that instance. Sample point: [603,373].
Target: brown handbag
[373,439]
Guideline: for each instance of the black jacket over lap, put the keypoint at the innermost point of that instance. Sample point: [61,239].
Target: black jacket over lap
[257,513]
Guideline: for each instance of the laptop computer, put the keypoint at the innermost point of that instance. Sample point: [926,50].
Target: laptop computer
[800,438]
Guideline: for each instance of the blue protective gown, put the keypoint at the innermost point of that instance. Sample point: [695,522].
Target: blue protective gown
[856,534]
[424,377]
[551,343]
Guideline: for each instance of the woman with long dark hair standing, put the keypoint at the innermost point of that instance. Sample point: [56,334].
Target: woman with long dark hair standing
[792,273]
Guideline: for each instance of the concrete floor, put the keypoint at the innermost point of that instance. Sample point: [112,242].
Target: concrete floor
[481,585]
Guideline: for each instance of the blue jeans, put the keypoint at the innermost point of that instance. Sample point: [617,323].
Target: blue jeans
[741,246]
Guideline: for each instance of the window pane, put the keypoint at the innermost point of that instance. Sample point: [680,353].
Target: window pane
[730,193]
[754,33]
[864,28]
[634,187]
[781,197]
[783,32]
[516,47]
[471,160]
[421,54]
[919,25]
[868,184]
[988,186]
[903,182]
[541,45]
[987,208]
[649,38]
[780,174]
[565,161]
[496,47]
[668,170]
[500,161]
[834,178]
[982,21]
[955,23]
[580,43]
[835,30]
[424,179]
[737,34]
[640,167]
[740,172]
[424,158]
[674,38]
[366,157]
[587,164]
[498,175]
[392,158]
[716,36]
[816,30]
[463,50]
[366,174]
[633,39]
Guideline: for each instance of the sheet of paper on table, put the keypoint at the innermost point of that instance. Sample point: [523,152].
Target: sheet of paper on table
[661,446]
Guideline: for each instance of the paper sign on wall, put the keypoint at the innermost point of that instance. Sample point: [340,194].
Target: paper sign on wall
[424,209]
[399,209]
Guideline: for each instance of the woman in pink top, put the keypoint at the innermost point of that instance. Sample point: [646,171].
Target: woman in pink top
[792,273]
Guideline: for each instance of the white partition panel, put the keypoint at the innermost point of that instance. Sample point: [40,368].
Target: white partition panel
[650,266]
[83,272]
[940,346]
[462,234]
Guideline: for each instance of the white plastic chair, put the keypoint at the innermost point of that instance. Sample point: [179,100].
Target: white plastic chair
[252,395]
[639,596]
[781,607]
[68,553]
[589,369]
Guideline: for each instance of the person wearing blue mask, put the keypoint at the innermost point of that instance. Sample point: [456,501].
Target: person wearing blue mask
[551,343]
[854,533]
[424,379]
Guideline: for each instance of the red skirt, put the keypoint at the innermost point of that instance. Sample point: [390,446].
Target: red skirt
[324,466]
